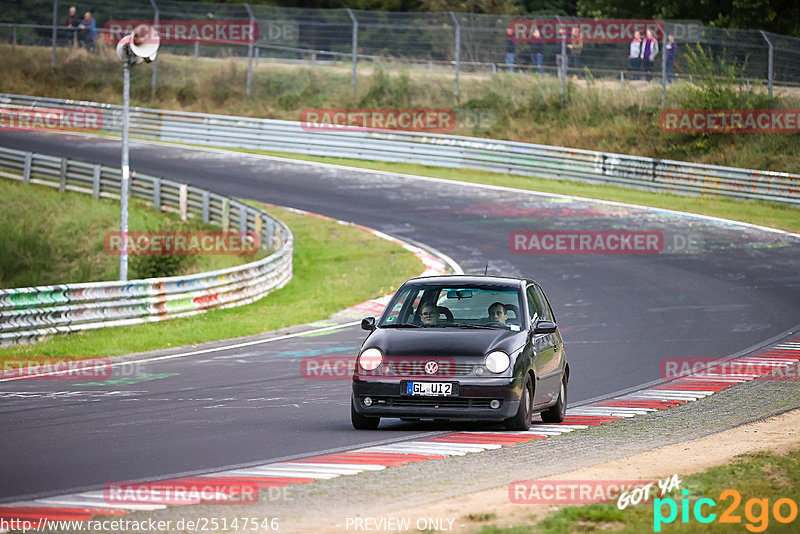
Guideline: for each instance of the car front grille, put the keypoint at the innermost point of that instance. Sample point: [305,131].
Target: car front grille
[446,369]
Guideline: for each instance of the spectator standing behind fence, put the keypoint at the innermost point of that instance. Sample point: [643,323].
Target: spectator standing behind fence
[510,50]
[671,50]
[636,55]
[73,21]
[649,53]
[88,29]
[537,51]
[574,49]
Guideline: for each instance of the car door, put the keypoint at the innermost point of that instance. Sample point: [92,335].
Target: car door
[545,361]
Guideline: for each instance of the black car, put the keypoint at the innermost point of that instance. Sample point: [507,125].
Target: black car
[462,347]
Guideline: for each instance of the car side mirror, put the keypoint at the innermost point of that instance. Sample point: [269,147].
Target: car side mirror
[544,327]
[368,323]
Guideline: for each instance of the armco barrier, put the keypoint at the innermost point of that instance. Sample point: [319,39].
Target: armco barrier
[439,150]
[29,313]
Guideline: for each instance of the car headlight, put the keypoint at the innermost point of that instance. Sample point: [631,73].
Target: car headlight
[370,359]
[497,361]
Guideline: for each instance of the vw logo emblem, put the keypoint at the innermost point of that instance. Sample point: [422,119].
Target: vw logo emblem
[431,367]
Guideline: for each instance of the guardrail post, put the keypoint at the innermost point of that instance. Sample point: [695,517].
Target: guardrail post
[226,214]
[355,47]
[55,24]
[157,194]
[205,207]
[156,16]
[270,237]
[183,200]
[26,170]
[242,225]
[258,226]
[196,50]
[770,65]
[96,182]
[62,183]
[458,52]
[250,50]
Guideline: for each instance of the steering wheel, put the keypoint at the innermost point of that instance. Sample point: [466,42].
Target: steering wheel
[496,323]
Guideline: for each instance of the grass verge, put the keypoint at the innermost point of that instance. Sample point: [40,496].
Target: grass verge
[769,214]
[597,115]
[335,266]
[61,238]
[760,480]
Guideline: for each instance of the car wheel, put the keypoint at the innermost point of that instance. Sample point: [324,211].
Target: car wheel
[522,420]
[558,411]
[362,422]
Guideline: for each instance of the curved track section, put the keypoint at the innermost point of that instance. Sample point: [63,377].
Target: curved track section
[714,289]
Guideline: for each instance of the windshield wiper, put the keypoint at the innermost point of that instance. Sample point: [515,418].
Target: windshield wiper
[479,326]
[401,325]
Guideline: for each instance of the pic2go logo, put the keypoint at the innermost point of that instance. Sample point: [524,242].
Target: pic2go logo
[756,511]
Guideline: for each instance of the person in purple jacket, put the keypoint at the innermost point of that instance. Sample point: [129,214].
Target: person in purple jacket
[649,53]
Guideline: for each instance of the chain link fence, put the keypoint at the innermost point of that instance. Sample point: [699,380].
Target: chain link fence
[452,42]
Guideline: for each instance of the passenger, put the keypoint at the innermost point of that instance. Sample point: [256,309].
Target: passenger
[497,313]
[429,314]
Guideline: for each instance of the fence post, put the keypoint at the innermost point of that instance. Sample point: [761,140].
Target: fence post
[96,182]
[55,23]
[355,46]
[196,50]
[62,183]
[664,66]
[26,170]
[562,69]
[458,52]
[155,63]
[226,214]
[770,66]
[250,50]
[14,33]
[205,207]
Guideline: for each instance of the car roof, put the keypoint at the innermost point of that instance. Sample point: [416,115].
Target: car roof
[465,279]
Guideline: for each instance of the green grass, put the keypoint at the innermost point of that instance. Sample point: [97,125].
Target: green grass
[55,238]
[598,115]
[769,214]
[335,266]
[763,475]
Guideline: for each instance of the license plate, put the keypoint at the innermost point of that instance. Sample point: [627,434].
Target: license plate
[429,389]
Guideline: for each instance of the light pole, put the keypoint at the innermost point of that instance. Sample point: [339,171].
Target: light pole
[141,45]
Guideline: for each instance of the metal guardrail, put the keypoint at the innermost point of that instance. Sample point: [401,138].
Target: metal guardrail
[30,313]
[438,150]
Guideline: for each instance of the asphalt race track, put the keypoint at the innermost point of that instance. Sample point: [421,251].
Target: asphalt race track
[713,289]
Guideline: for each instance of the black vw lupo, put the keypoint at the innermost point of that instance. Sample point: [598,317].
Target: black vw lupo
[462,347]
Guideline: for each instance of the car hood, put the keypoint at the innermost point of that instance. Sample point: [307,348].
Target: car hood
[448,341]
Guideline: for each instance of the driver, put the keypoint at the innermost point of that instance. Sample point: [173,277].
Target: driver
[429,313]
[497,313]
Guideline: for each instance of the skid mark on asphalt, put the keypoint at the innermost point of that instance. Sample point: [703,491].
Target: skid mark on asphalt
[776,358]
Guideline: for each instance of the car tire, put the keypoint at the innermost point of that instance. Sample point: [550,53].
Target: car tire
[362,422]
[522,420]
[558,411]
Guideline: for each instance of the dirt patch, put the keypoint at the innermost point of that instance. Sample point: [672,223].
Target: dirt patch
[470,512]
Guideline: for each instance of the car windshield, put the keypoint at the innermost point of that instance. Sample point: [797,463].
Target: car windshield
[454,306]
